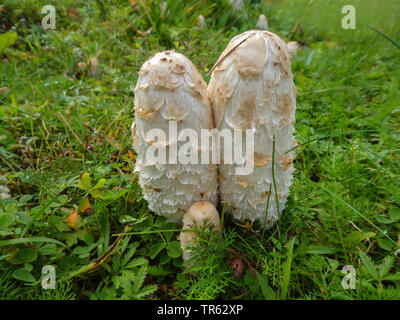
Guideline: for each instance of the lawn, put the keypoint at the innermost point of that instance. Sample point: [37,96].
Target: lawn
[68,195]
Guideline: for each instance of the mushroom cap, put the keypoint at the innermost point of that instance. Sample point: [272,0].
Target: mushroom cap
[171,91]
[251,88]
[197,216]
[201,211]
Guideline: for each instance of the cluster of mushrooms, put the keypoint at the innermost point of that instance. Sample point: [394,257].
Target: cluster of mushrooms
[251,87]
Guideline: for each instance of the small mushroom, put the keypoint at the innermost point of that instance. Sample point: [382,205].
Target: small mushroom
[252,87]
[293,47]
[201,21]
[163,7]
[237,4]
[4,192]
[262,22]
[199,215]
[82,67]
[94,67]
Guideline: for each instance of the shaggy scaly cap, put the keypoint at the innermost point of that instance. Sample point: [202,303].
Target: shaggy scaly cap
[170,88]
[252,87]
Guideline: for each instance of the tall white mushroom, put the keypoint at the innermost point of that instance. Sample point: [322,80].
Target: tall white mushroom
[252,87]
[170,96]
[201,21]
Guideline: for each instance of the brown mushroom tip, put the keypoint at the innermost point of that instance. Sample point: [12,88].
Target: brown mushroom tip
[166,69]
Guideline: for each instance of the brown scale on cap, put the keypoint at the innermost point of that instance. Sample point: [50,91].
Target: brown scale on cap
[245,113]
[285,161]
[261,159]
[285,108]
[250,59]
[243,183]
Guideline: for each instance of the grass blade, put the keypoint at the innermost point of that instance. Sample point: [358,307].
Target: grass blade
[361,215]
[287,270]
[384,35]
[27,240]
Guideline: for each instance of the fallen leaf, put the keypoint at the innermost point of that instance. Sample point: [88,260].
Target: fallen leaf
[164,288]
[72,11]
[84,182]
[247,226]
[237,266]
[84,204]
[3,90]
[73,218]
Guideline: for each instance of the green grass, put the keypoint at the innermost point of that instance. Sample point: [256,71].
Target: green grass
[59,122]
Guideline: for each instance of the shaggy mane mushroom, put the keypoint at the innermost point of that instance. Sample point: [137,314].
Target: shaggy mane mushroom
[252,87]
[170,91]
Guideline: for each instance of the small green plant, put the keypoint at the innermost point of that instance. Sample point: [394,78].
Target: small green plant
[378,274]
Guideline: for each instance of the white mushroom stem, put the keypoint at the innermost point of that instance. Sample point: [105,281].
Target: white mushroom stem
[199,215]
